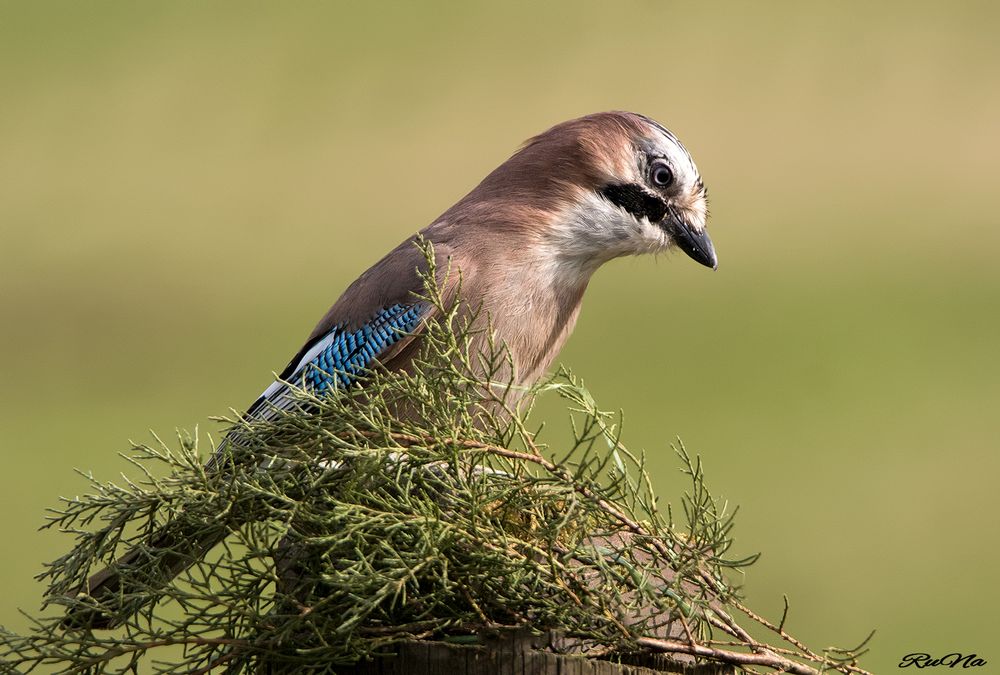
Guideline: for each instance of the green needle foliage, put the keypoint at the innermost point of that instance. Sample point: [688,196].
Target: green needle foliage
[419,505]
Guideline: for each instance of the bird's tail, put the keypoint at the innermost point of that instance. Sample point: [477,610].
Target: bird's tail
[111,596]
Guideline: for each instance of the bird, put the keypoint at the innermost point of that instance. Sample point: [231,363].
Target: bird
[525,243]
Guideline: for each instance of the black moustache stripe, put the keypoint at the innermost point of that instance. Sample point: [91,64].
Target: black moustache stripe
[636,200]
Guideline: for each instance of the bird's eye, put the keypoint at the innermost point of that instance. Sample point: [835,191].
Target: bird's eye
[660,174]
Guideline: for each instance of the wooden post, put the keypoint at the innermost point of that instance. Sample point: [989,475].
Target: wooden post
[515,654]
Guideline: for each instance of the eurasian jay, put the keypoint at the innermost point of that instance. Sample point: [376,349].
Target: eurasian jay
[525,243]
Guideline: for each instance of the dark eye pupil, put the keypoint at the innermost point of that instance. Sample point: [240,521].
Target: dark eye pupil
[662,176]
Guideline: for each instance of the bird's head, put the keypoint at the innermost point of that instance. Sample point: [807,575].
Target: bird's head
[603,186]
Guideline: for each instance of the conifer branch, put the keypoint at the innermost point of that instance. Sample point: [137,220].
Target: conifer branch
[419,505]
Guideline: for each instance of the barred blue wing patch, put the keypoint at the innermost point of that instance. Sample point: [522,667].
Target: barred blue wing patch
[334,360]
[347,353]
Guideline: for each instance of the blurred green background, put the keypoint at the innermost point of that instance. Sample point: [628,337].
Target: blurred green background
[185,187]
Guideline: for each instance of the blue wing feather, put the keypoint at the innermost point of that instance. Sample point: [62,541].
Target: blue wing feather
[334,360]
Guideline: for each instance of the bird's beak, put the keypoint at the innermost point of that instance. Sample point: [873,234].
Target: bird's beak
[696,243]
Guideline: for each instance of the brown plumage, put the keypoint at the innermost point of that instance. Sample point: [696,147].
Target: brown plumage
[505,237]
[525,241]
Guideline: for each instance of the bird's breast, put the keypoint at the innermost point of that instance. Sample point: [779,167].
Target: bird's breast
[532,318]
